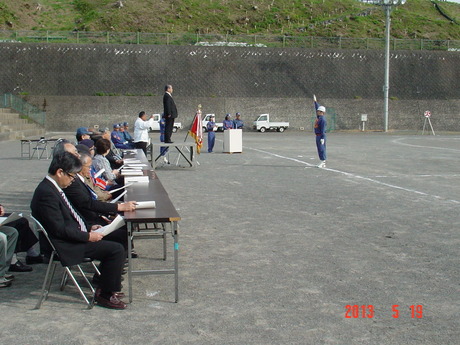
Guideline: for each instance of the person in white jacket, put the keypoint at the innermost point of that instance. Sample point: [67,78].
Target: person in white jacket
[141,131]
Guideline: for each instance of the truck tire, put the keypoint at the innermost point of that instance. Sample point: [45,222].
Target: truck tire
[262,129]
[281,129]
[174,129]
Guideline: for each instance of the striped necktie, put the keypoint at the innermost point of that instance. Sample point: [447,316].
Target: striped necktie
[74,213]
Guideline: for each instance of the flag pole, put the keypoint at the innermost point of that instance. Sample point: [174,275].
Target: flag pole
[193,120]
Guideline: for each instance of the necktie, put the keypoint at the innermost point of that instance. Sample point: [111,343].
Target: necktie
[74,213]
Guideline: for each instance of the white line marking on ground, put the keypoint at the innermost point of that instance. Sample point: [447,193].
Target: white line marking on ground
[398,141]
[409,190]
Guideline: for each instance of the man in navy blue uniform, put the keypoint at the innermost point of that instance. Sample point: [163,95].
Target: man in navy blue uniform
[211,127]
[126,134]
[320,132]
[117,138]
[238,123]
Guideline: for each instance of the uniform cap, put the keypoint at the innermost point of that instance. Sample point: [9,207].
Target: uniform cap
[83,130]
[321,108]
[87,142]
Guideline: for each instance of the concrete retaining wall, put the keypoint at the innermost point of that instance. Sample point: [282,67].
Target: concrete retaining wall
[222,79]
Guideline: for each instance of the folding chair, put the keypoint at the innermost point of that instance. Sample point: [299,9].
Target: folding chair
[54,260]
[41,148]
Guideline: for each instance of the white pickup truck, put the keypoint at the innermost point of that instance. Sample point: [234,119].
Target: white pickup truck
[220,125]
[262,124]
[156,124]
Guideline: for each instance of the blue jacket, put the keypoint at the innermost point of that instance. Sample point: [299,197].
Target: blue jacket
[210,126]
[228,124]
[320,124]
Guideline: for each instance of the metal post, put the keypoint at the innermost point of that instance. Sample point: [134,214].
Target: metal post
[386,86]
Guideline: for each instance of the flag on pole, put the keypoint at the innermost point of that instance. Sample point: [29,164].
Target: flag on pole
[196,131]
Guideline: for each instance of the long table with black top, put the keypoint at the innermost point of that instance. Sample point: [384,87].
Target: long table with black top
[164,213]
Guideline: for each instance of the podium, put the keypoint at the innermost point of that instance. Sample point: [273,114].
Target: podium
[233,140]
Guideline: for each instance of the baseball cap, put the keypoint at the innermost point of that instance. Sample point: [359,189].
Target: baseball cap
[116,125]
[125,124]
[321,108]
[83,130]
[87,142]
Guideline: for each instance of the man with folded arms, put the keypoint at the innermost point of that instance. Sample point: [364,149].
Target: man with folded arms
[70,234]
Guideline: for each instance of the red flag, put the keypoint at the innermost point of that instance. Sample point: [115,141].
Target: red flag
[196,131]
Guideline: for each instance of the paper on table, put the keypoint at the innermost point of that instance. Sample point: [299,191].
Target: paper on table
[142,179]
[11,218]
[132,161]
[132,173]
[117,223]
[135,165]
[119,197]
[116,190]
[145,204]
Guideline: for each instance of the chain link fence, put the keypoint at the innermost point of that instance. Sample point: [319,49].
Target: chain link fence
[259,40]
[17,103]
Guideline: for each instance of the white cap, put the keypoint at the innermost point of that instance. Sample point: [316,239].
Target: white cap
[321,108]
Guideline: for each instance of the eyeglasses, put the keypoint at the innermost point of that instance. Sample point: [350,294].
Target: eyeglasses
[70,175]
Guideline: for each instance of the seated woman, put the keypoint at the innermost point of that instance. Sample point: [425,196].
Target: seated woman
[114,155]
[100,162]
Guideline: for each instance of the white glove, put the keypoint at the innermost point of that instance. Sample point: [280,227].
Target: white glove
[322,141]
[314,98]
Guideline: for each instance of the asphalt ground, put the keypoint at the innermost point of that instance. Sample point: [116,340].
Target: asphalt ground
[273,250]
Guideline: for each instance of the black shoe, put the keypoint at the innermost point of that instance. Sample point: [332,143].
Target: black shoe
[20,267]
[30,260]
[169,142]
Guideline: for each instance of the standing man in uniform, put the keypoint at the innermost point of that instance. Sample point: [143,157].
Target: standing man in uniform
[238,123]
[169,113]
[320,132]
[211,127]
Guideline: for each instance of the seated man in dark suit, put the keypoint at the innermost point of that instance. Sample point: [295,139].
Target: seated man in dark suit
[70,234]
[96,212]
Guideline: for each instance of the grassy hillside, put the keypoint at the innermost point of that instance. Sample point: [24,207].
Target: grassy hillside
[347,18]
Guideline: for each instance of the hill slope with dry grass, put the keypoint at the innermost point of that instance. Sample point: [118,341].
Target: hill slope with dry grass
[327,18]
